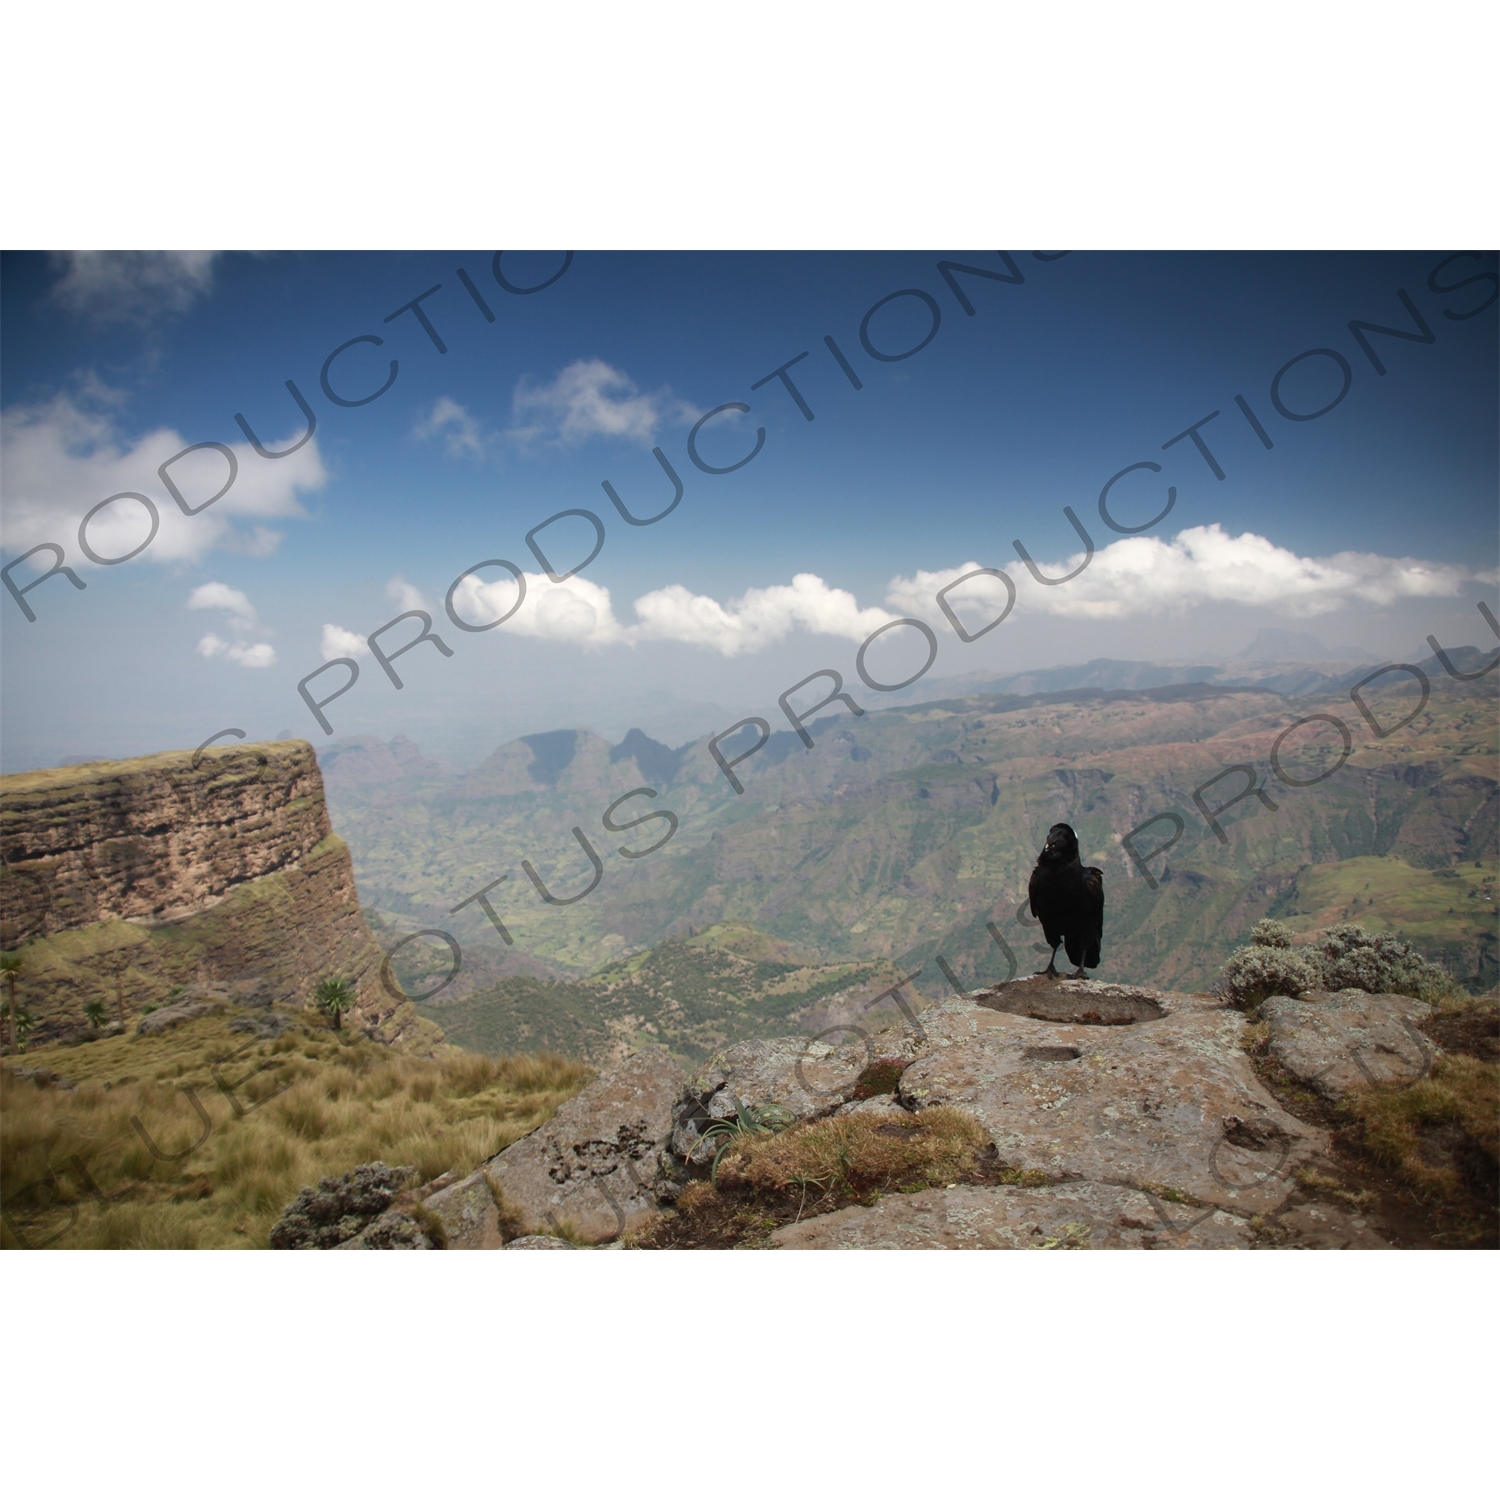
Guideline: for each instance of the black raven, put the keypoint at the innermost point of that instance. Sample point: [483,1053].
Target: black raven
[1068,900]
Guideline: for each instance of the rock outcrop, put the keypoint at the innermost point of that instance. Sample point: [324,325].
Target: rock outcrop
[1117,1119]
[354,1212]
[1169,1105]
[468,1213]
[1074,1216]
[126,881]
[593,1165]
[1336,1042]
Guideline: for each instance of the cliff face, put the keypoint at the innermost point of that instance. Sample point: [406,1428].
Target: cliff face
[123,879]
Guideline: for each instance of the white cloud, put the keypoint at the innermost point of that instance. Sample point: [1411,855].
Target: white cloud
[454,423]
[132,286]
[757,619]
[242,620]
[575,610]
[404,594]
[1135,576]
[340,642]
[591,399]
[221,596]
[60,458]
[976,603]
[1202,564]
[582,612]
[258,655]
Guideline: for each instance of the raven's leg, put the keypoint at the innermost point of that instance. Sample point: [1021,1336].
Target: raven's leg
[1051,970]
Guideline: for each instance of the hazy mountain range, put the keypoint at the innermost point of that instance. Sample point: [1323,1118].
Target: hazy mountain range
[901,835]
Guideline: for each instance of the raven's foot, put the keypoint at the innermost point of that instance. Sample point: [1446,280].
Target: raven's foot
[1078,973]
[1050,972]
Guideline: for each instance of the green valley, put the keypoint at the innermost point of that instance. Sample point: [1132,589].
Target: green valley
[905,835]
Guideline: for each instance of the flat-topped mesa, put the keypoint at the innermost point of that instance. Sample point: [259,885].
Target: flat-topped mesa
[154,838]
[122,880]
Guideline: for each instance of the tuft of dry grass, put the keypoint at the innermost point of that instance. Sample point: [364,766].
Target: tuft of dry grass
[1441,1136]
[198,1139]
[823,1165]
[856,1153]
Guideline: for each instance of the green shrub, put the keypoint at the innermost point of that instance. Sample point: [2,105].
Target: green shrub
[1254,973]
[1351,959]
[1347,958]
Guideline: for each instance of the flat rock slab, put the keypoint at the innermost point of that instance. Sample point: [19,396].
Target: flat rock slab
[1337,1042]
[1073,1216]
[592,1164]
[539,1242]
[1171,1106]
[468,1214]
[1089,1002]
[804,1076]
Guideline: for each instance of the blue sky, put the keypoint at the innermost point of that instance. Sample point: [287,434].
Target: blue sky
[113,363]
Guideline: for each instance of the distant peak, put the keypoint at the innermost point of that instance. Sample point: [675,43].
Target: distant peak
[655,761]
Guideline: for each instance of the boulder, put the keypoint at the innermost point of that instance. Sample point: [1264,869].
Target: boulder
[393,1230]
[82,1034]
[592,1165]
[1170,1105]
[266,1027]
[539,1242]
[1336,1042]
[340,1208]
[1072,1216]
[168,1016]
[43,1078]
[803,1076]
[468,1214]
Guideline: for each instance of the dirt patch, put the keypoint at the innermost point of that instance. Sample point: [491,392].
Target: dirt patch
[881,1077]
[1473,1031]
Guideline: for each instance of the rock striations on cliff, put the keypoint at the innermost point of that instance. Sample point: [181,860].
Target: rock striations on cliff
[125,881]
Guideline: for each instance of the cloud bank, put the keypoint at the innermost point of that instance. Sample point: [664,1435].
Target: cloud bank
[1202,564]
[1137,576]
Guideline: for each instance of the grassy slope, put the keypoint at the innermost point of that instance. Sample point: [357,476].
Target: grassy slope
[694,995]
[79,1173]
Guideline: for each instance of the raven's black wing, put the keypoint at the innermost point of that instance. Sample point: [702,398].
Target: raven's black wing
[1047,905]
[1093,913]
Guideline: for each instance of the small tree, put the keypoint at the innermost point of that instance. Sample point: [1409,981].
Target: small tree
[23,1023]
[333,997]
[94,1013]
[10,966]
